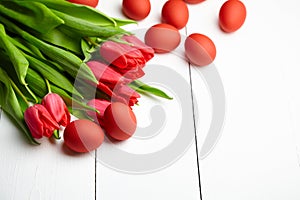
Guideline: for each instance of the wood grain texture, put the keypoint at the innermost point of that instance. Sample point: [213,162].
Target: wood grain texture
[179,180]
[48,171]
[256,157]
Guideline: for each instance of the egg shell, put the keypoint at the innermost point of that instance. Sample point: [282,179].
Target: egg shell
[162,38]
[136,9]
[200,50]
[83,136]
[92,3]
[232,15]
[175,13]
[119,121]
[193,1]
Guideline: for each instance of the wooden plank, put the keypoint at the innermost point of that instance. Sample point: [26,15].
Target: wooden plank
[130,175]
[133,166]
[48,171]
[256,157]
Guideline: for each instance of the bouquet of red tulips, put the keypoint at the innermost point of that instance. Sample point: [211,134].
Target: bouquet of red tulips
[45,51]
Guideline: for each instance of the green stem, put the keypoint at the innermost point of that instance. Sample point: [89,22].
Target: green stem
[56,134]
[18,91]
[89,40]
[31,93]
[117,40]
[48,85]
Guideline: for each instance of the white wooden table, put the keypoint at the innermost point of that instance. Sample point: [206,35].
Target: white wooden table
[257,156]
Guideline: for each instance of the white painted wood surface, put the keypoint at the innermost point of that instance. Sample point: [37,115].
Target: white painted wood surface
[48,171]
[257,155]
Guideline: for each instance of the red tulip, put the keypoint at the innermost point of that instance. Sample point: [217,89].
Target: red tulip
[39,121]
[113,84]
[147,51]
[57,108]
[128,94]
[100,105]
[107,75]
[122,55]
[123,94]
[127,59]
[133,73]
[104,88]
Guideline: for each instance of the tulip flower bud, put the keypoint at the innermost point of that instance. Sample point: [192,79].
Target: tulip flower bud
[122,55]
[147,51]
[57,108]
[133,73]
[128,94]
[39,121]
[100,105]
[107,75]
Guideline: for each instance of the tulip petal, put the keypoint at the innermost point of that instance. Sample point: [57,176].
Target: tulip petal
[100,105]
[133,73]
[39,121]
[106,74]
[46,117]
[33,122]
[147,51]
[57,108]
[126,91]
[112,53]
[128,94]
[122,55]
[134,56]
